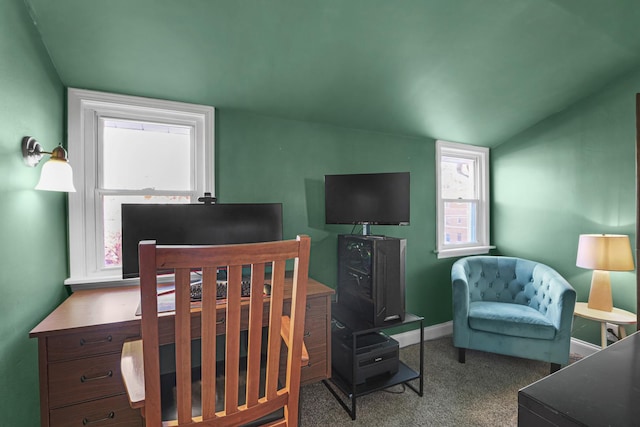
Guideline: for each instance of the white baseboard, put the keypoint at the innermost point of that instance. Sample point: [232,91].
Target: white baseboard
[582,348]
[430,333]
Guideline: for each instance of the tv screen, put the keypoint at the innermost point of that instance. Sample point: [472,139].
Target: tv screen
[371,198]
[196,224]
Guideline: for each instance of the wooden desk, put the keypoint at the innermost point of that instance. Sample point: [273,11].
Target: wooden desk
[616,316]
[79,346]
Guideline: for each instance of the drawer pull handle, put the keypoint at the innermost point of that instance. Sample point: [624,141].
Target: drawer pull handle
[308,365]
[109,338]
[86,421]
[221,321]
[307,334]
[85,378]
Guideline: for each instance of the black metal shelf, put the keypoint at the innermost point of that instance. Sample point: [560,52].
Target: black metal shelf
[381,382]
[404,375]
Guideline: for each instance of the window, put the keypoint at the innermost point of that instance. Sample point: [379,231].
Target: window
[462,179]
[126,149]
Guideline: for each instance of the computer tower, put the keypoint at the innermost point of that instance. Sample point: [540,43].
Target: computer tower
[371,277]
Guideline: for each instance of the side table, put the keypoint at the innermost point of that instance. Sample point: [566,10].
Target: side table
[617,316]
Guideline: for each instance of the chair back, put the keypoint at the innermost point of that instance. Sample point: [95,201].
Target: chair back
[512,280]
[266,262]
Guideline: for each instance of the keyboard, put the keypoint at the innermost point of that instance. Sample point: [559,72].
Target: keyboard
[221,291]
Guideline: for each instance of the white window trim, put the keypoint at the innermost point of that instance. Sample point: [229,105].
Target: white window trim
[85,108]
[445,148]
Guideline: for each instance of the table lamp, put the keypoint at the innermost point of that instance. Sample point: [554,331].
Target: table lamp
[603,253]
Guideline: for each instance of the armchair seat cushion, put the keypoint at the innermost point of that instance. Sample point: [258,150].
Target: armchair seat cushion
[510,319]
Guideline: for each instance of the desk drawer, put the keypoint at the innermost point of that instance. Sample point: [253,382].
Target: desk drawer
[315,339]
[316,307]
[315,332]
[316,369]
[90,342]
[84,379]
[112,411]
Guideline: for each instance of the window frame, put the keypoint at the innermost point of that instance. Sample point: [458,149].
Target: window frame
[85,110]
[481,156]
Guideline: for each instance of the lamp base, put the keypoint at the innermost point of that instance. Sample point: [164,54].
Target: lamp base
[600,293]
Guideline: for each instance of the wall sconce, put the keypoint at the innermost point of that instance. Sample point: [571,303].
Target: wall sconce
[603,253]
[56,174]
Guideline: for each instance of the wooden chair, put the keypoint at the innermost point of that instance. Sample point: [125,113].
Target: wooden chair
[140,358]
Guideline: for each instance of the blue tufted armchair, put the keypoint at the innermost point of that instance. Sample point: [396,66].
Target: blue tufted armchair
[512,306]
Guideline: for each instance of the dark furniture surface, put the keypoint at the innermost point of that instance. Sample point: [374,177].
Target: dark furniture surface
[600,390]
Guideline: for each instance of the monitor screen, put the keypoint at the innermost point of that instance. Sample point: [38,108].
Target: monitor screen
[196,224]
[373,198]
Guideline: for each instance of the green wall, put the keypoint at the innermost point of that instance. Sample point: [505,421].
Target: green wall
[33,236]
[265,159]
[571,174]
[258,158]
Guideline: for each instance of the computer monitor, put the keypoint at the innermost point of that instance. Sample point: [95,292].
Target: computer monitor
[196,224]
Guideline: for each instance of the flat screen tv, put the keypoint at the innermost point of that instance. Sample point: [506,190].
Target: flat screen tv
[196,224]
[370,198]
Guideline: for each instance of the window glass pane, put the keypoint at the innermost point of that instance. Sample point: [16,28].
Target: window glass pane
[113,222]
[460,222]
[140,155]
[457,178]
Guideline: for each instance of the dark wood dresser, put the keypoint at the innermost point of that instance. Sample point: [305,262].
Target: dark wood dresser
[600,390]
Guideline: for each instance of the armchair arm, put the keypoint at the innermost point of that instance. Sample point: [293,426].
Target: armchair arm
[563,300]
[460,302]
[284,333]
[132,368]
[460,289]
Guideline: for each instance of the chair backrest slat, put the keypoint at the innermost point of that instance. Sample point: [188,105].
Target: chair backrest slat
[254,346]
[209,341]
[183,344]
[232,353]
[275,322]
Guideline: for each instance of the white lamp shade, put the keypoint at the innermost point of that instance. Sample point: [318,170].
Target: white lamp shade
[56,175]
[608,252]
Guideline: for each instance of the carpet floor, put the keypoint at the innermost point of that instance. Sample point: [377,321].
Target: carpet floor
[481,392]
